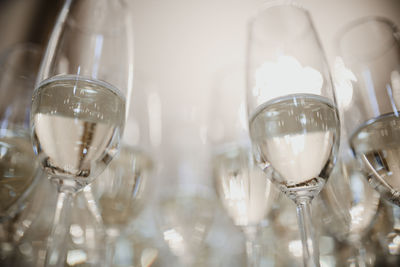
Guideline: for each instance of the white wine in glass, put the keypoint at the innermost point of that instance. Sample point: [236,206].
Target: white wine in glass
[296,135]
[82,117]
[293,119]
[80,101]
[371,52]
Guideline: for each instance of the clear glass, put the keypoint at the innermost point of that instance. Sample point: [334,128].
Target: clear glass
[121,191]
[184,215]
[370,54]
[84,243]
[79,103]
[293,118]
[18,168]
[349,206]
[244,191]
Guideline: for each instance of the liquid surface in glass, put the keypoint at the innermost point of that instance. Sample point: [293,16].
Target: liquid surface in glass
[76,125]
[296,138]
[377,143]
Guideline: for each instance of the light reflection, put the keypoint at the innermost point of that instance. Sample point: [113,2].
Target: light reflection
[75,257]
[343,78]
[175,241]
[154,111]
[149,255]
[295,247]
[283,77]
[395,80]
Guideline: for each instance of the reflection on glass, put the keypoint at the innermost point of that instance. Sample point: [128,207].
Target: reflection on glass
[271,79]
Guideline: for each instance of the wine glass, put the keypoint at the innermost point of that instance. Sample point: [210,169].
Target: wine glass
[78,106]
[242,188]
[349,206]
[370,53]
[18,169]
[293,123]
[184,215]
[122,190]
[84,242]
[375,66]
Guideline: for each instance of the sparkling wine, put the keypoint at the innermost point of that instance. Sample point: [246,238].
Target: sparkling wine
[377,143]
[244,190]
[120,189]
[296,139]
[17,168]
[76,125]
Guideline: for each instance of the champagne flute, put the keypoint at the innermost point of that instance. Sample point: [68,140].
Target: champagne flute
[19,170]
[184,216]
[370,52]
[375,99]
[18,69]
[294,124]
[121,191]
[349,206]
[78,106]
[244,191]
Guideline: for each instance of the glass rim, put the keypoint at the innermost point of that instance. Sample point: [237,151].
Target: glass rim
[287,4]
[364,20]
[354,24]
[276,3]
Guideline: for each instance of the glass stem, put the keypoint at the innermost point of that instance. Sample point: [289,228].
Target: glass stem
[361,255]
[252,246]
[309,243]
[93,208]
[57,243]
[110,251]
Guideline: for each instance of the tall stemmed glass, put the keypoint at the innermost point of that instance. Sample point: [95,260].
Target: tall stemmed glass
[294,124]
[18,70]
[244,191]
[375,99]
[78,108]
[370,50]
[122,190]
[349,206]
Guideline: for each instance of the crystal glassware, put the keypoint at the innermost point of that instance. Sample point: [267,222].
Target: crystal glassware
[79,103]
[293,118]
[19,66]
[244,191]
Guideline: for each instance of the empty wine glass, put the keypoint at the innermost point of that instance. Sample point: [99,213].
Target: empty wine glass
[294,124]
[18,69]
[246,194]
[78,107]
